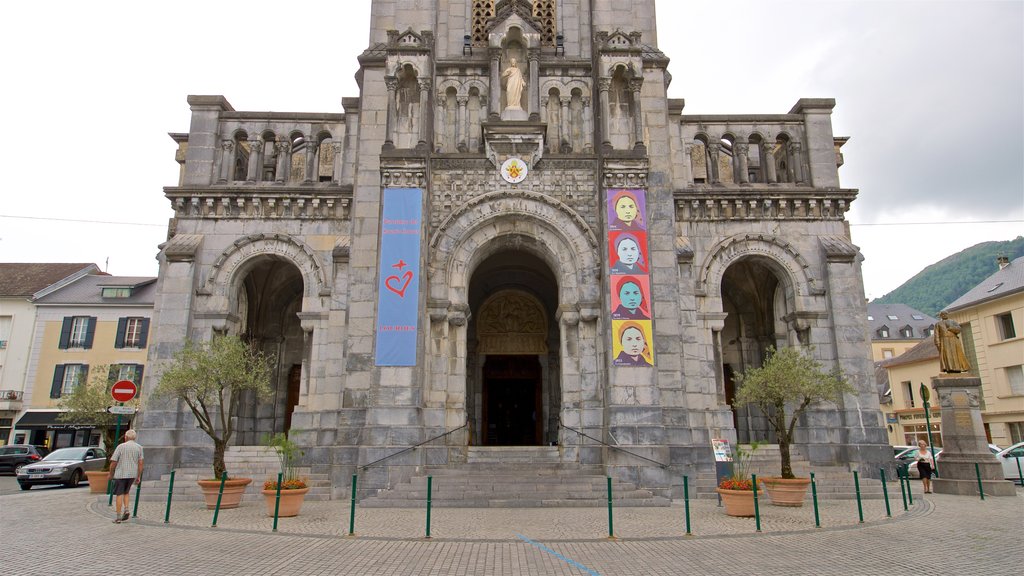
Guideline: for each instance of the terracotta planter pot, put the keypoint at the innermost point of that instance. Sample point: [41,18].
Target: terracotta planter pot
[234,488]
[739,502]
[786,491]
[291,501]
[97,481]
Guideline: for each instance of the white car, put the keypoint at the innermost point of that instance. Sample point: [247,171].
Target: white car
[912,466]
[1012,461]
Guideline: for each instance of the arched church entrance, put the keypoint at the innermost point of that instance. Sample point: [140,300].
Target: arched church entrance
[268,302]
[512,345]
[755,302]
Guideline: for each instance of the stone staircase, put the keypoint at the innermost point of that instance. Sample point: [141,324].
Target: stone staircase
[513,477]
[257,462]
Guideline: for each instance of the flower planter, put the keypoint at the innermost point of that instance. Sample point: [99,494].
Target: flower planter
[291,501]
[738,502]
[97,481]
[786,491]
[234,488]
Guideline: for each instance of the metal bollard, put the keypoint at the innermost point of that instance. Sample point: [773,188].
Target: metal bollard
[814,498]
[910,489]
[1020,474]
[430,482]
[977,472]
[611,524]
[135,510]
[277,499]
[170,490]
[352,509]
[220,494]
[757,509]
[856,486]
[686,502]
[885,494]
[903,489]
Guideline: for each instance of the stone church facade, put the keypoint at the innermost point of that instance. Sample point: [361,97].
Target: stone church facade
[513,234]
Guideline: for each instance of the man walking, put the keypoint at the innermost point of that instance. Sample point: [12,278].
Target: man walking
[125,468]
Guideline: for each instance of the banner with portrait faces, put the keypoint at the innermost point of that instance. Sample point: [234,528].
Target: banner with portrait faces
[399,270]
[630,280]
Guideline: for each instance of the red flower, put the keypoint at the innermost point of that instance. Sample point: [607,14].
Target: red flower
[291,484]
[736,484]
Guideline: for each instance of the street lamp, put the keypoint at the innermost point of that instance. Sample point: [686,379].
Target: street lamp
[925,395]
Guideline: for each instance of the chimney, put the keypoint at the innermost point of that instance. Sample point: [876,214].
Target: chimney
[1002,261]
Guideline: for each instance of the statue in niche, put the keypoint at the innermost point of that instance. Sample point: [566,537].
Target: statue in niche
[952,359]
[514,84]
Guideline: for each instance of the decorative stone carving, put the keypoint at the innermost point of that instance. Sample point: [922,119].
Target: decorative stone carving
[512,322]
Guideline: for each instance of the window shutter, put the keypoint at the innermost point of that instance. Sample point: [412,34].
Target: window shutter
[112,373]
[90,332]
[122,324]
[138,375]
[83,376]
[144,334]
[58,380]
[65,333]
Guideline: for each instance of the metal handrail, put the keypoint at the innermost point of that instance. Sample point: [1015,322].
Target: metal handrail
[404,450]
[613,447]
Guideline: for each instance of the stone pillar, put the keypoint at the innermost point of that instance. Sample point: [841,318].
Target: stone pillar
[494,113]
[964,445]
[534,86]
[796,162]
[565,131]
[769,162]
[424,137]
[339,150]
[713,149]
[255,147]
[741,149]
[588,125]
[604,85]
[283,147]
[638,119]
[389,127]
[463,123]
[227,160]
[312,151]
[440,121]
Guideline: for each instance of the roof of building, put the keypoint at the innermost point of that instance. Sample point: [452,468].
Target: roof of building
[88,291]
[925,350]
[1008,280]
[895,317]
[25,279]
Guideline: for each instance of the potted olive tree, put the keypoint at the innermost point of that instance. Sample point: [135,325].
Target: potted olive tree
[87,404]
[211,378]
[788,382]
[293,487]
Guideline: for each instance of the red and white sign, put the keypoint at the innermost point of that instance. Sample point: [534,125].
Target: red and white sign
[123,390]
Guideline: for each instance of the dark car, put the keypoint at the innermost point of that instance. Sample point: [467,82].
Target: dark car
[14,455]
[65,466]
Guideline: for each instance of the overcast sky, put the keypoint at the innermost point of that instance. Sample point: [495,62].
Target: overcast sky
[931,94]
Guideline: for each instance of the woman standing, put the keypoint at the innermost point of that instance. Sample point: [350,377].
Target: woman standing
[925,465]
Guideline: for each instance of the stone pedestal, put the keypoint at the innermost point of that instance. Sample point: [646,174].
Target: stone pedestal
[963,441]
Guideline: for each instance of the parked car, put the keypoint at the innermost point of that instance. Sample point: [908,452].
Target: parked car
[897,450]
[912,466]
[65,466]
[14,455]
[1010,459]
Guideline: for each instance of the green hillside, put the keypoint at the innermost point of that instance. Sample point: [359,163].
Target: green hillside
[935,287]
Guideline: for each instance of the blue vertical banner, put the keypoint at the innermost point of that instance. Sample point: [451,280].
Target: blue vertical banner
[399,273]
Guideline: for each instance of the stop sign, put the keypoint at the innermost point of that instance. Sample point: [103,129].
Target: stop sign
[123,390]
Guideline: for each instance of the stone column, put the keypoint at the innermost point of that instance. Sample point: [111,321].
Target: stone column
[389,128]
[964,443]
[638,119]
[424,138]
[604,85]
[769,162]
[283,147]
[565,132]
[227,160]
[796,162]
[495,108]
[312,151]
[741,149]
[588,125]
[462,127]
[534,87]
[338,148]
[713,149]
[440,121]
[255,147]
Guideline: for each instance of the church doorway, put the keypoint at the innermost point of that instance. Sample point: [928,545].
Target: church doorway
[513,390]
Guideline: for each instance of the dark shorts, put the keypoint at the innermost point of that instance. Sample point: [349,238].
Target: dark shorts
[122,486]
[923,467]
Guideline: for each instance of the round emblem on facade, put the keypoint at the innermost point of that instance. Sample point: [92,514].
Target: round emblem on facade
[514,170]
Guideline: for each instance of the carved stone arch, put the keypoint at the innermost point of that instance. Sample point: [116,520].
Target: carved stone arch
[229,269]
[628,70]
[473,83]
[792,269]
[444,85]
[550,83]
[573,84]
[534,222]
[751,137]
[401,63]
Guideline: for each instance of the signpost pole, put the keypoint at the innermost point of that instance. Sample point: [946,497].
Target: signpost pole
[925,396]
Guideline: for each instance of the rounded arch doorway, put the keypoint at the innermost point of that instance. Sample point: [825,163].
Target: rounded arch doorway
[514,392]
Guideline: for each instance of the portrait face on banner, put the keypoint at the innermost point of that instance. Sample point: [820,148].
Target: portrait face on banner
[631,344]
[627,253]
[630,298]
[627,210]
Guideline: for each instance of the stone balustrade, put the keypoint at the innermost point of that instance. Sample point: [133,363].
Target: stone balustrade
[755,203]
[286,203]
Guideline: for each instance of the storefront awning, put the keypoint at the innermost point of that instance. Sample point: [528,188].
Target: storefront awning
[47,420]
